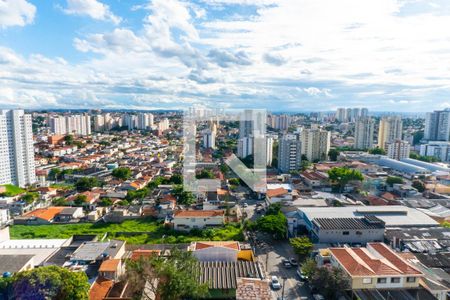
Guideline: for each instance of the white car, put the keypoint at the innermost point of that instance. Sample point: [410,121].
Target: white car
[276,285]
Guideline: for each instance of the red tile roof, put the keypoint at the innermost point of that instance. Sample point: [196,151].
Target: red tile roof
[276,192]
[208,244]
[366,262]
[198,213]
[137,254]
[47,214]
[109,265]
[100,288]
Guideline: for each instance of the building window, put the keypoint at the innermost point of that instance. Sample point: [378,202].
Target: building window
[411,279]
[367,280]
[395,280]
[381,280]
[345,233]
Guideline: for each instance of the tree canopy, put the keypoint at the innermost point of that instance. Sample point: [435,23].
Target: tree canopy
[341,176]
[419,186]
[302,246]
[377,150]
[391,180]
[330,281]
[87,183]
[333,154]
[172,278]
[50,282]
[121,173]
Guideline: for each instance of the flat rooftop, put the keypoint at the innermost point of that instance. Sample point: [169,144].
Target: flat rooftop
[391,215]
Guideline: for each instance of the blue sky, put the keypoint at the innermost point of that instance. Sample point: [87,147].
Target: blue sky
[282,55]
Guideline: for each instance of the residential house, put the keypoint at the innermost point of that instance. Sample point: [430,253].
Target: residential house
[376,266]
[197,219]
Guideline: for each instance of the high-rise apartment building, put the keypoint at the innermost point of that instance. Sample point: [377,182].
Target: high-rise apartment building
[163,124]
[364,128]
[17,164]
[245,147]
[437,125]
[315,144]
[440,150]
[289,153]
[390,130]
[209,139]
[364,112]
[144,121]
[398,149]
[269,150]
[73,124]
[341,115]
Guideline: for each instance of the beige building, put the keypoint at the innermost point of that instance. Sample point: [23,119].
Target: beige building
[315,144]
[376,266]
[390,130]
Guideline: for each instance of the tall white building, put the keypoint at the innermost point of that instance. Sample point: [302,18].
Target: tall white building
[390,130]
[163,125]
[145,121]
[364,127]
[437,126]
[209,139]
[74,124]
[245,147]
[315,144]
[289,153]
[341,115]
[364,112]
[16,148]
[269,149]
[398,149]
[440,150]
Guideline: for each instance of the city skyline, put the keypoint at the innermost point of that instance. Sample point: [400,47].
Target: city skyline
[273,54]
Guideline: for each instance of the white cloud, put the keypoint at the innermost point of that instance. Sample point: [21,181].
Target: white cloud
[92,8]
[16,13]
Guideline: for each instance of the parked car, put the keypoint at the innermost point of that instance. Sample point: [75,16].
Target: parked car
[245,205]
[286,263]
[318,297]
[301,275]
[276,285]
[293,261]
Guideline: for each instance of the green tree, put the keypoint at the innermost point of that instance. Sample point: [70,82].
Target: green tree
[445,224]
[333,154]
[274,224]
[59,201]
[104,202]
[80,200]
[273,209]
[183,197]
[50,282]
[87,183]
[172,278]
[68,139]
[331,282]
[391,180]
[121,173]
[176,179]
[302,246]
[30,197]
[234,181]
[377,151]
[309,267]
[419,186]
[54,174]
[341,176]
[205,174]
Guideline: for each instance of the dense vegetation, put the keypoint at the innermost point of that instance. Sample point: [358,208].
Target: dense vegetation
[50,282]
[146,231]
[11,190]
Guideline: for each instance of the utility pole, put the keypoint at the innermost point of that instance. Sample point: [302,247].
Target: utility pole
[282,291]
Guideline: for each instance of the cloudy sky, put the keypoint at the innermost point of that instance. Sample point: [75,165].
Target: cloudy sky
[283,55]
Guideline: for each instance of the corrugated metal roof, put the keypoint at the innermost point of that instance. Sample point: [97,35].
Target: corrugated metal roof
[223,275]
